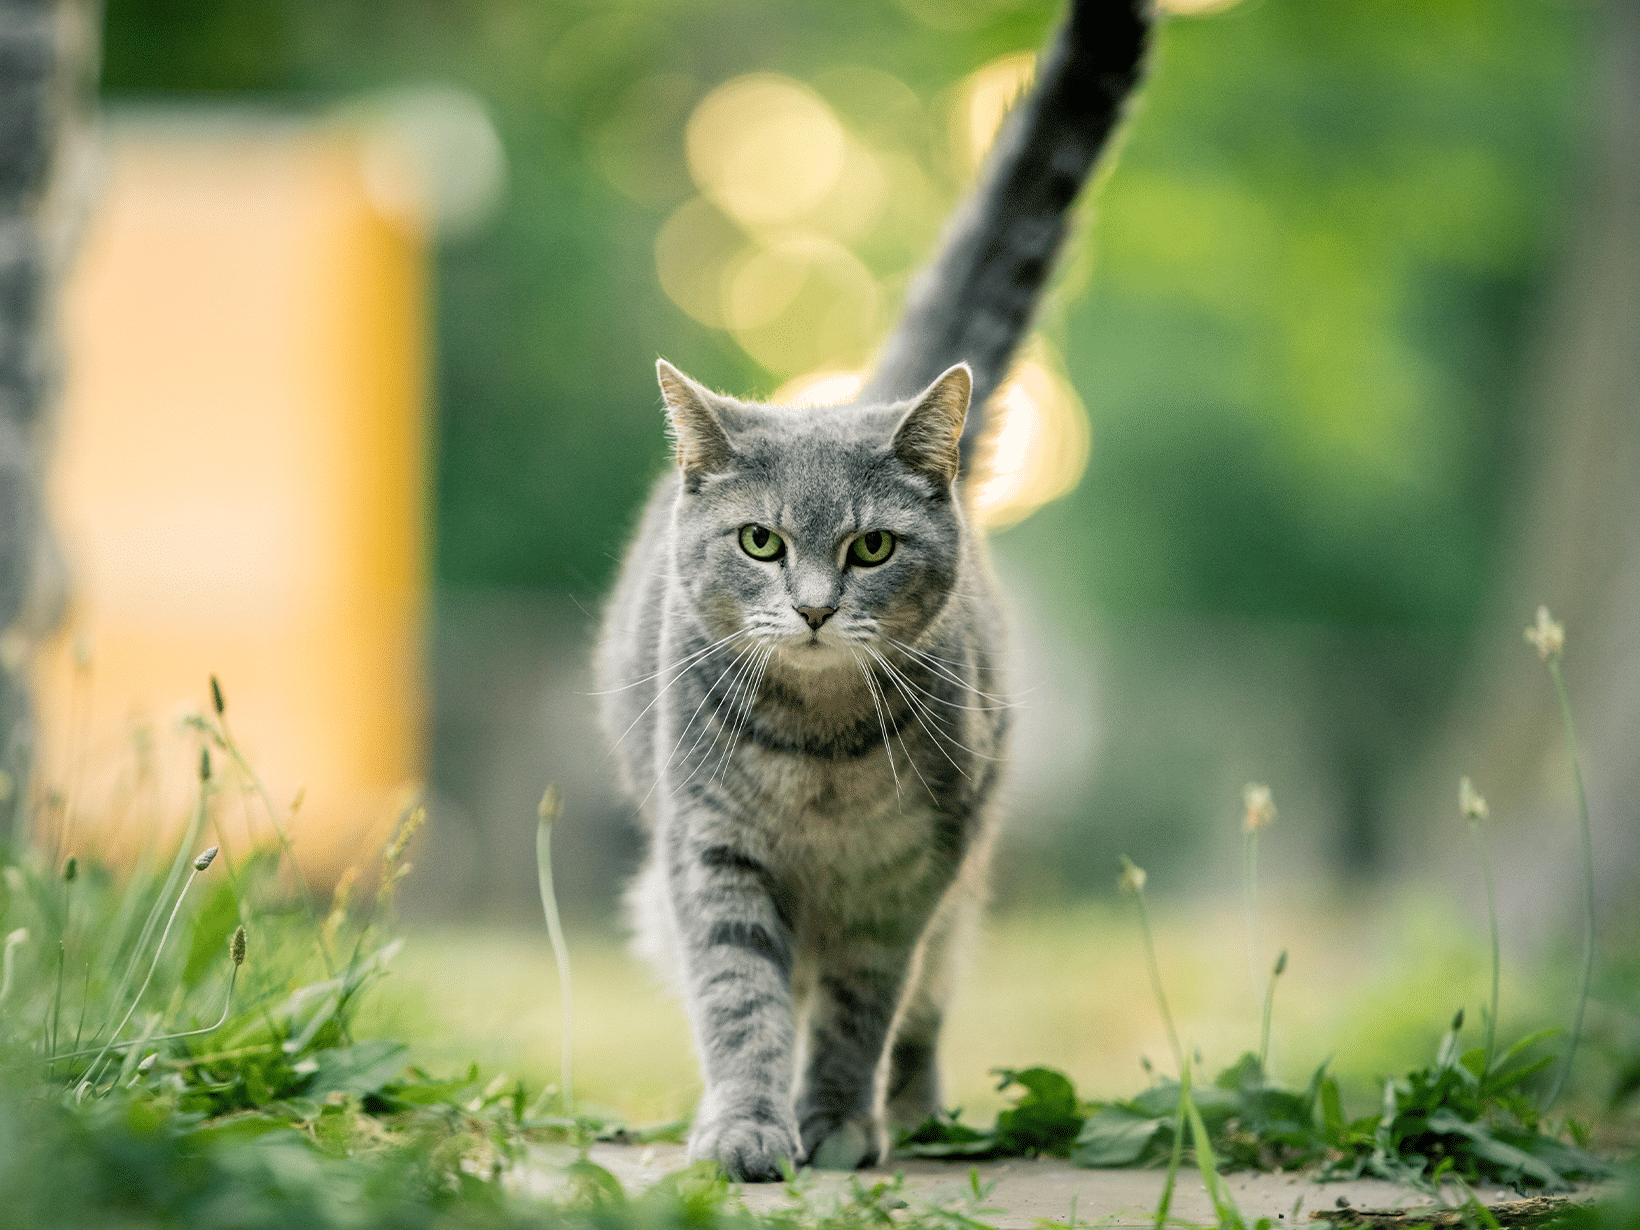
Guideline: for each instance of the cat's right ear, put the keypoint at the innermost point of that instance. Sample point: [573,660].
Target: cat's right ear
[698,438]
[929,437]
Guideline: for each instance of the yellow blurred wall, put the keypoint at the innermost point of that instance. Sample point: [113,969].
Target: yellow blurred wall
[238,484]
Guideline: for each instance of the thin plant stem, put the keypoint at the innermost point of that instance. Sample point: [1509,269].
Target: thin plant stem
[57,999]
[1156,975]
[1249,901]
[196,824]
[231,746]
[222,846]
[227,1006]
[152,966]
[1224,1205]
[560,950]
[1492,915]
[1175,1155]
[1588,885]
[69,875]
[1276,971]
[79,706]
[85,1001]
[222,735]
[381,902]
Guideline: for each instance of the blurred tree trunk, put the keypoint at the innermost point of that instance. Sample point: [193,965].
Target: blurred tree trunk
[48,65]
[1576,543]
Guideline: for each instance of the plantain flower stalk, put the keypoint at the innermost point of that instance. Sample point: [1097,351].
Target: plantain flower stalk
[236,954]
[1258,812]
[222,735]
[200,864]
[1546,636]
[1276,972]
[1132,881]
[1474,809]
[551,807]
[1549,638]
[394,868]
[196,826]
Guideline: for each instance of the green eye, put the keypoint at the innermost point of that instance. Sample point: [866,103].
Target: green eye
[760,542]
[871,548]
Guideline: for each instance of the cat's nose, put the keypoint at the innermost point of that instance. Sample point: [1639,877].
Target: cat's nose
[814,616]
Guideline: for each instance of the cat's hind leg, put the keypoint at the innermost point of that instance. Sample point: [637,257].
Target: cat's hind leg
[912,1089]
[850,1012]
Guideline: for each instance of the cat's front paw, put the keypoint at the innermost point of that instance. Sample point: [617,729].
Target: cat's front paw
[754,1144]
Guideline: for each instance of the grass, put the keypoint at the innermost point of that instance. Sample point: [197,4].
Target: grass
[457,996]
[1356,989]
[1470,1117]
[233,1054]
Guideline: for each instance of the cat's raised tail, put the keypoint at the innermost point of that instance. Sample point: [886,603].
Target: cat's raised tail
[975,302]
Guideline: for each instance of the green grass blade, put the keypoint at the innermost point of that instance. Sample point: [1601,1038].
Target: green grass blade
[1224,1205]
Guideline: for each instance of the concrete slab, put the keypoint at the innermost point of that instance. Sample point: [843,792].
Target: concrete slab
[1022,1193]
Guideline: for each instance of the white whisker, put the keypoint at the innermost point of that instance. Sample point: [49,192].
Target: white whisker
[935,665]
[888,748]
[678,665]
[947,702]
[949,738]
[706,695]
[660,693]
[753,683]
[715,723]
[917,713]
[912,761]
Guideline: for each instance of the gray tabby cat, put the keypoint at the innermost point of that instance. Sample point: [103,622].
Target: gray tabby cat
[800,666]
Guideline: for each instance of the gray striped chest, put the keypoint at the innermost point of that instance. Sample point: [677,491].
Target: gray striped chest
[849,838]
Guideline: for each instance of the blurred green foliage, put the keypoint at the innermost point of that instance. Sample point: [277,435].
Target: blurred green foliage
[1301,313]
[1302,338]
[1299,326]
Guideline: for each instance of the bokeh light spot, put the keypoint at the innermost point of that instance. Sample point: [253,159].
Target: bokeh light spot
[1194,8]
[821,388]
[692,249]
[1038,444]
[765,149]
[802,303]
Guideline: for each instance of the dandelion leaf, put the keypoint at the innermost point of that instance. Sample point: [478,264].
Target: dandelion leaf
[1113,1136]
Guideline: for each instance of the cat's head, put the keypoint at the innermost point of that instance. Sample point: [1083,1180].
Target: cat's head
[822,530]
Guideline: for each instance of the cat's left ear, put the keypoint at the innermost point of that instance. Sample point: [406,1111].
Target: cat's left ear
[701,444]
[929,436]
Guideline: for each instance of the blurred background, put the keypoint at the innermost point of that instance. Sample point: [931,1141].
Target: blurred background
[1339,379]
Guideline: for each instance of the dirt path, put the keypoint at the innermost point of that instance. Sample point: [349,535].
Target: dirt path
[1024,1192]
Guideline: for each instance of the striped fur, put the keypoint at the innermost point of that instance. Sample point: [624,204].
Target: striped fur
[814,743]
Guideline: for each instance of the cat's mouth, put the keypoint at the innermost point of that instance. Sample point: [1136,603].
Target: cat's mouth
[812,651]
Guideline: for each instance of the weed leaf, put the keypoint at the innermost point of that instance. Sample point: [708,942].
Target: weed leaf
[362,1068]
[1113,1136]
